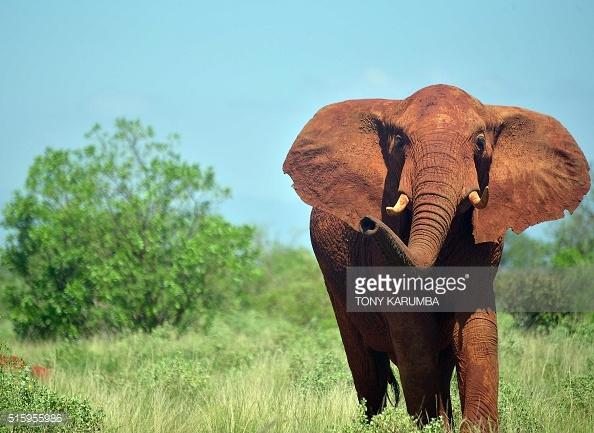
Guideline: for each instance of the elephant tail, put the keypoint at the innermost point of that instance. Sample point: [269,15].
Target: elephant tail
[395,388]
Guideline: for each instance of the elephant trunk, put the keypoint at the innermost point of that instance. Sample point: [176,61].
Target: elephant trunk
[432,217]
[394,250]
[435,199]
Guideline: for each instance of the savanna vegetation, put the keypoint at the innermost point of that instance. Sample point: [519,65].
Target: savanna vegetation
[151,313]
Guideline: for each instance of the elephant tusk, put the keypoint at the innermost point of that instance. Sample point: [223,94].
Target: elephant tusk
[479,202]
[399,206]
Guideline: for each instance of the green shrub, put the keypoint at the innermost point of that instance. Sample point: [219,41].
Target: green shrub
[541,299]
[175,375]
[291,286]
[319,377]
[582,326]
[521,251]
[515,411]
[574,237]
[391,420]
[580,390]
[512,345]
[540,321]
[21,392]
[72,355]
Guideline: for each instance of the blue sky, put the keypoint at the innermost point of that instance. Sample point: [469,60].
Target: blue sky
[238,80]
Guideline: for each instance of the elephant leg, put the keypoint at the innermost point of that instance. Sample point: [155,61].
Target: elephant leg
[475,344]
[415,340]
[370,369]
[420,385]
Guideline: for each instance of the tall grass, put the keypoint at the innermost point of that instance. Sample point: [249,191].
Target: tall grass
[250,373]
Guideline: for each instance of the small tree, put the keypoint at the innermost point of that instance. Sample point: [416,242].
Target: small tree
[574,237]
[119,235]
[521,251]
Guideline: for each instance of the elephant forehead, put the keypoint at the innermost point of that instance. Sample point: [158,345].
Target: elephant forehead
[442,106]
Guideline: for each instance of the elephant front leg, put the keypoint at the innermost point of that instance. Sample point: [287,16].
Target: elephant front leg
[370,369]
[426,386]
[475,343]
[425,370]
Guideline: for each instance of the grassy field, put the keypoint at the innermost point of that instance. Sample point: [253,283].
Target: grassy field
[251,373]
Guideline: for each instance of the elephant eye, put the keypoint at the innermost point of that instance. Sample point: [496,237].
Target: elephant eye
[400,141]
[480,142]
[397,143]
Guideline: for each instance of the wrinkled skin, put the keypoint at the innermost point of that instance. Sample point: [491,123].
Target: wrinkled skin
[355,158]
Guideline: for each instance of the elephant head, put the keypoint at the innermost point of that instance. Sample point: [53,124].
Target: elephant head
[434,155]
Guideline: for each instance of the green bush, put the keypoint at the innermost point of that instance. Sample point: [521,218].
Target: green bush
[521,251]
[574,237]
[391,420]
[120,235]
[515,410]
[327,372]
[580,390]
[21,392]
[529,294]
[175,375]
[291,286]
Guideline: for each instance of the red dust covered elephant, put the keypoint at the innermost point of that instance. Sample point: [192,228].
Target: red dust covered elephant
[432,180]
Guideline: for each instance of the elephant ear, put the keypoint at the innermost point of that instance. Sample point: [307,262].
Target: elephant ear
[337,163]
[537,171]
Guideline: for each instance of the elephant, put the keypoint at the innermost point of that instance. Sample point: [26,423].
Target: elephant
[435,179]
